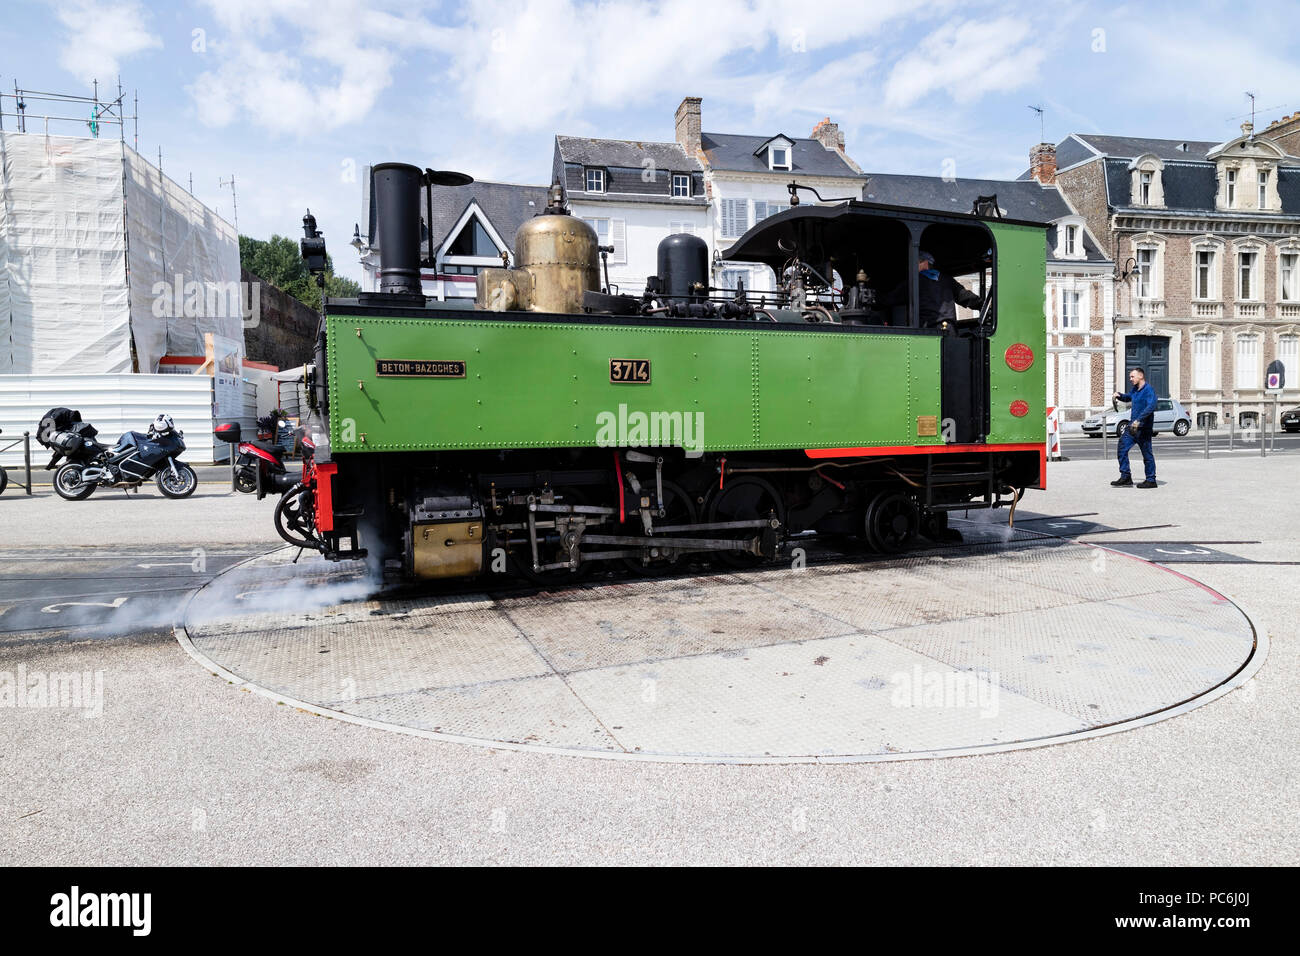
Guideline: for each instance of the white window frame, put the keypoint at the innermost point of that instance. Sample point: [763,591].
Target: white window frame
[787,164]
[1071,320]
[1071,240]
[684,228]
[1254,271]
[681,187]
[1263,189]
[1205,361]
[1145,178]
[1147,285]
[768,207]
[1230,187]
[1246,373]
[588,173]
[1288,276]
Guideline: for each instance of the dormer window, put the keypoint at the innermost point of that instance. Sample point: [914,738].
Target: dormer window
[779,157]
[1147,188]
[681,185]
[1263,190]
[1230,178]
[595,180]
[1071,240]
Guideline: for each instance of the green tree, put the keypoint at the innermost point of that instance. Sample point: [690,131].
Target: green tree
[277,260]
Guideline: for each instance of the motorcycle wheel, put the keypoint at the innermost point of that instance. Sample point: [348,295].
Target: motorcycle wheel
[181,485]
[244,484]
[69,485]
[4,480]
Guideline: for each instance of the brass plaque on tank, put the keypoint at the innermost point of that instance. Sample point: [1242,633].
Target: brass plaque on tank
[447,550]
[927,426]
[410,368]
[629,371]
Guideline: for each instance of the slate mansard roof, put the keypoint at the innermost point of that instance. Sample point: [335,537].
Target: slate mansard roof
[1018,199]
[635,171]
[728,152]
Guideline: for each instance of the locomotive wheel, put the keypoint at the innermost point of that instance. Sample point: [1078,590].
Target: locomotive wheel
[744,499]
[891,522]
[679,508]
[549,550]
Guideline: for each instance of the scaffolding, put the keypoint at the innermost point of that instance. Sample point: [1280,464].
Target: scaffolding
[21,108]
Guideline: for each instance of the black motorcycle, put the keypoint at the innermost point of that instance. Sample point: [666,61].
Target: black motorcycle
[135,458]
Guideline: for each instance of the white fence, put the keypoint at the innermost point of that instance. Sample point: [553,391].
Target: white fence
[113,404]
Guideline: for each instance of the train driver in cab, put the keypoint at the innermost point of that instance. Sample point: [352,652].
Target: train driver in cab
[938,294]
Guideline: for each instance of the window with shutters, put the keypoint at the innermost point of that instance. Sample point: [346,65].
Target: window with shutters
[1248,373]
[735,217]
[1205,355]
[1075,386]
[612,232]
[1288,353]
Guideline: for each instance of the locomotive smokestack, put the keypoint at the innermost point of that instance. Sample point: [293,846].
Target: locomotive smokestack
[397,223]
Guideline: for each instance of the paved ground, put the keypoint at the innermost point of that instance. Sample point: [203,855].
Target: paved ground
[181,767]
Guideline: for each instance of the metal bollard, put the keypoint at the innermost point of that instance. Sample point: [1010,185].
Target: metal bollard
[27,459]
[1205,427]
[1232,431]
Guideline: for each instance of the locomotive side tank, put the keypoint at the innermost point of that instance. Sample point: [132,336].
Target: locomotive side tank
[556,428]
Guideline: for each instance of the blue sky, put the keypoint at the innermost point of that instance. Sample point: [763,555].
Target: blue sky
[293,97]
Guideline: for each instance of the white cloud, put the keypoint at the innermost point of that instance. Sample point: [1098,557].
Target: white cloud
[102,33]
[339,57]
[967,59]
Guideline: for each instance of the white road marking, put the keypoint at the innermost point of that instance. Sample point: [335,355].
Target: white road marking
[54,608]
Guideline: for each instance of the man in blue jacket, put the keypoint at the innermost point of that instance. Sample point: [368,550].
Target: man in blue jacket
[1141,420]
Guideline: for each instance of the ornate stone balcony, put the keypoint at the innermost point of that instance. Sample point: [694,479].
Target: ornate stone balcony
[1250,310]
[1209,310]
[1150,308]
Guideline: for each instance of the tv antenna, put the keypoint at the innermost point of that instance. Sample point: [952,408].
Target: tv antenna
[1042,124]
[1252,112]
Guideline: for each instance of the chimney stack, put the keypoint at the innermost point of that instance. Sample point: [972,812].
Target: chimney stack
[1042,163]
[829,135]
[687,122]
[1286,133]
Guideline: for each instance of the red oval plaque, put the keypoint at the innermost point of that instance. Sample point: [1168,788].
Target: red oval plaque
[1020,356]
[1019,408]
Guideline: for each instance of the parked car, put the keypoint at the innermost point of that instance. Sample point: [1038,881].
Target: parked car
[1291,420]
[1171,416]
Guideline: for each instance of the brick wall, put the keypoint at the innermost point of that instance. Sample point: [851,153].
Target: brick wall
[285,334]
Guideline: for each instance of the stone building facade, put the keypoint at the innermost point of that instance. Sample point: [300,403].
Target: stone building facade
[1206,241]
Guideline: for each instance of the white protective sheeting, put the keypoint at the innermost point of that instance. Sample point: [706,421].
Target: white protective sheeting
[65,304]
[184,263]
[71,210]
[113,404]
